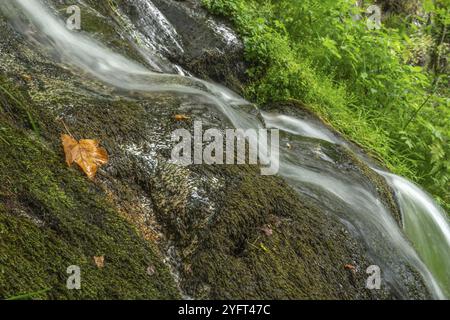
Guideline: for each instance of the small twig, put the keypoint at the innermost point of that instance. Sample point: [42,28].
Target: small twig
[29,296]
[5,141]
[418,110]
[20,103]
[430,95]
[11,96]
[67,129]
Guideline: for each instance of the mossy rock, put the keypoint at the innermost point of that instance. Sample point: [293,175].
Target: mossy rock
[52,218]
[205,231]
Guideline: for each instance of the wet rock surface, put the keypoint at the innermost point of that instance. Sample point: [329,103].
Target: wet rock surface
[212,49]
[211,232]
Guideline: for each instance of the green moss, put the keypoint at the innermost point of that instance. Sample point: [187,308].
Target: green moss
[229,255]
[101,20]
[214,66]
[52,217]
[14,104]
[385,192]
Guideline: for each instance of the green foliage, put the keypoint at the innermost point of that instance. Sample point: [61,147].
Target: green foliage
[385,89]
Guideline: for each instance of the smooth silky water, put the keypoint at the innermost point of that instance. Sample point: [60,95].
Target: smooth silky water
[425,224]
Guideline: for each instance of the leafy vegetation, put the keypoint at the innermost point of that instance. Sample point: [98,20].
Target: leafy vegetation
[386,89]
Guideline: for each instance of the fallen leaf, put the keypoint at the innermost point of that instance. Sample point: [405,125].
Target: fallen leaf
[275,221]
[99,261]
[181,117]
[86,153]
[27,77]
[267,230]
[151,270]
[350,267]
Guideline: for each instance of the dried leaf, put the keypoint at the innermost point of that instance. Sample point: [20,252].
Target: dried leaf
[27,77]
[181,117]
[350,267]
[86,153]
[267,230]
[99,261]
[151,270]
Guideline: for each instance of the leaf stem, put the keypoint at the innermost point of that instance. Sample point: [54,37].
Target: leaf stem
[67,129]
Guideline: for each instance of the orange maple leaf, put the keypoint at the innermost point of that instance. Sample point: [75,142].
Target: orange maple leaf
[86,153]
[181,117]
[350,267]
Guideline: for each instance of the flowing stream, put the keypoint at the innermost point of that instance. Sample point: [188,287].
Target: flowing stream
[425,242]
[425,222]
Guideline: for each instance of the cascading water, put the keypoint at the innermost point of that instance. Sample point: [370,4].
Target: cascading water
[360,209]
[425,223]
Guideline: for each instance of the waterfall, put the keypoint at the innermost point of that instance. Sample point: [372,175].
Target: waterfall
[425,223]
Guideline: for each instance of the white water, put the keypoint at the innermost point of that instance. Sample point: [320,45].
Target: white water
[297,126]
[425,222]
[362,209]
[157,27]
[427,225]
